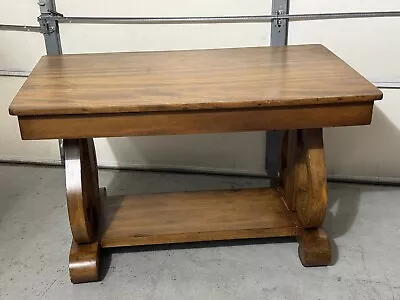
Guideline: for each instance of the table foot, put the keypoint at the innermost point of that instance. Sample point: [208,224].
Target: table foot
[314,248]
[84,262]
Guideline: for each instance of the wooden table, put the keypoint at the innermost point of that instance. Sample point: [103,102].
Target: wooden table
[299,89]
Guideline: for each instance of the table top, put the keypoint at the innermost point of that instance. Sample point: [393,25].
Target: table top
[190,80]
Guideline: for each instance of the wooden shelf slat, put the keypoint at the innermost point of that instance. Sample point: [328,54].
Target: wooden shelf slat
[194,216]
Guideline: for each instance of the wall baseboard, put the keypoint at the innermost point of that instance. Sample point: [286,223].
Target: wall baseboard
[391,181]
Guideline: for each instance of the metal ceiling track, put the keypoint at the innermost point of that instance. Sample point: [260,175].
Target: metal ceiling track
[27,28]
[52,16]
[221,19]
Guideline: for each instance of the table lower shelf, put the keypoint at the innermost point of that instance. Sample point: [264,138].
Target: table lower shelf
[194,216]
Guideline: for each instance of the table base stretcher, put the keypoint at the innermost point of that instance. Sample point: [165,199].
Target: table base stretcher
[294,208]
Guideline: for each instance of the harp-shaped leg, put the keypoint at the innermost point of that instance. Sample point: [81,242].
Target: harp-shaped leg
[303,175]
[83,208]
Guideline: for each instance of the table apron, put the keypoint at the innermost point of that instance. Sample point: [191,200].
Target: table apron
[194,122]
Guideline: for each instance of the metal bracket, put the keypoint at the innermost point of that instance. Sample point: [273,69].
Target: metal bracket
[279,37]
[47,11]
[51,34]
[278,19]
[279,27]
[49,27]
[45,27]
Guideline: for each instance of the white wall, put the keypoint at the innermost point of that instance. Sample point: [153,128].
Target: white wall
[370,46]
[11,146]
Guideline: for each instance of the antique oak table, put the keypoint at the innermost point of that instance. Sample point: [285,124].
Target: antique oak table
[299,89]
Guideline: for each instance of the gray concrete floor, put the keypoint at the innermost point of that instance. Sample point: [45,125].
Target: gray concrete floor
[35,238]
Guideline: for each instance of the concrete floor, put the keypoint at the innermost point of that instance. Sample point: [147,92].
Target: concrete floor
[362,220]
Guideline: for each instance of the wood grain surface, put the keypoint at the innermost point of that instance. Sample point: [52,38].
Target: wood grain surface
[190,80]
[311,205]
[194,216]
[82,185]
[290,167]
[314,247]
[195,122]
[304,176]
[84,261]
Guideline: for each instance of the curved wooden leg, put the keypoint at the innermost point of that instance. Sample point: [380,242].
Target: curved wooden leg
[82,189]
[84,262]
[83,208]
[289,149]
[305,192]
[84,259]
[311,207]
